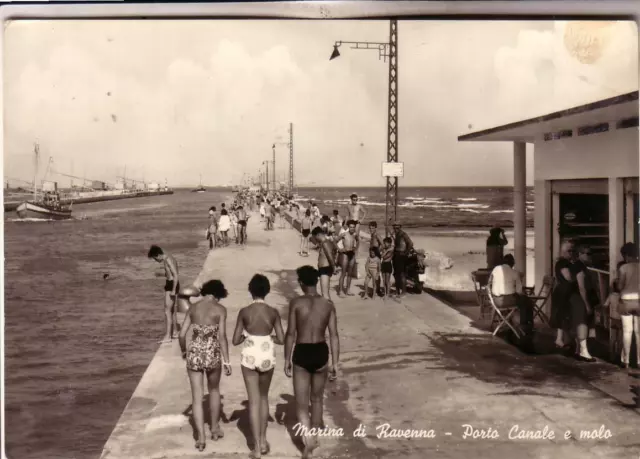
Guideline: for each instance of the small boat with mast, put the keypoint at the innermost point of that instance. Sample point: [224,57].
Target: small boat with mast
[200,188]
[47,206]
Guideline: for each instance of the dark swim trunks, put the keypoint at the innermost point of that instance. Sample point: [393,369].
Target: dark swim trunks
[242,222]
[311,356]
[168,286]
[306,233]
[350,254]
[325,271]
[387,267]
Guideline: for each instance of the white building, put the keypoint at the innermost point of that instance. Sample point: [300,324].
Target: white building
[586,165]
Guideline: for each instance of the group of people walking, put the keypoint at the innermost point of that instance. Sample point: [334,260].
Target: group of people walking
[259,330]
[227,224]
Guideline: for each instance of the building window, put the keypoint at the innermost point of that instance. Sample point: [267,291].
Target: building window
[558,135]
[593,129]
[627,123]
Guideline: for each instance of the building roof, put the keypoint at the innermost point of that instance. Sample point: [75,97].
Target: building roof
[618,108]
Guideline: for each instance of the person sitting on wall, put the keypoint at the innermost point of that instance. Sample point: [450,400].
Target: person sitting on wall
[507,290]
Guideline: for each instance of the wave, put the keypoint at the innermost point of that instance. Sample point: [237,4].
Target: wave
[31,220]
[467,199]
[415,198]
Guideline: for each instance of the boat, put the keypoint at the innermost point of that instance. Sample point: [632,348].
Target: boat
[200,188]
[48,206]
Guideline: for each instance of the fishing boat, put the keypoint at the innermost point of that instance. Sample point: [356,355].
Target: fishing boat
[49,208]
[200,188]
[46,207]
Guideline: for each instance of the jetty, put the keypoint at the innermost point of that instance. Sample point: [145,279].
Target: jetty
[416,376]
[95,196]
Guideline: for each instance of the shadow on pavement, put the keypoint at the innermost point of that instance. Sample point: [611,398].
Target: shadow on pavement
[207,415]
[286,415]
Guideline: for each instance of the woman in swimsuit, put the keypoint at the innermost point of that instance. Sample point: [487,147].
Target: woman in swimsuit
[208,351]
[629,302]
[224,226]
[305,225]
[254,326]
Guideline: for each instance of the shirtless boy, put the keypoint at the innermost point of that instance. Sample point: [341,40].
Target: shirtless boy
[310,315]
[243,217]
[349,248]
[326,263]
[171,287]
[356,212]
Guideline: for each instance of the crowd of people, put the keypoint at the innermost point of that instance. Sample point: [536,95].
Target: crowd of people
[309,360]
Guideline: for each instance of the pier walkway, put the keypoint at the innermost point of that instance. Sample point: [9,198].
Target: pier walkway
[414,364]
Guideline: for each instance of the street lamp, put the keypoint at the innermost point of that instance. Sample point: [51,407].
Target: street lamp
[267,173]
[392,169]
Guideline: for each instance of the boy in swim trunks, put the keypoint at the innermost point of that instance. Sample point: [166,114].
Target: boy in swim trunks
[310,315]
[386,265]
[243,217]
[356,212]
[326,263]
[350,243]
[171,286]
[375,241]
[253,328]
[305,231]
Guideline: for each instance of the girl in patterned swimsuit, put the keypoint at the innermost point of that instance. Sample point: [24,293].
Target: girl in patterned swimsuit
[253,330]
[206,354]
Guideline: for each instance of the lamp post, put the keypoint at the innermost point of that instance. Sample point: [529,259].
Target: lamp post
[266,174]
[392,169]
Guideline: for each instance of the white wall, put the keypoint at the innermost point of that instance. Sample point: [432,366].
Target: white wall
[609,155]
[604,155]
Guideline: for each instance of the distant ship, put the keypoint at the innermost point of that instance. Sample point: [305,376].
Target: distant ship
[46,207]
[200,188]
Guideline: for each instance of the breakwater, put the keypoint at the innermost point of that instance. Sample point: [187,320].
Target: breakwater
[13,205]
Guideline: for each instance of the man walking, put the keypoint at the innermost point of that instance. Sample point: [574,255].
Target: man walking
[326,261]
[171,288]
[310,315]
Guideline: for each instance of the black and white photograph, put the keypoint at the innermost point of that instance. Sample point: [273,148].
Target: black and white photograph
[319,230]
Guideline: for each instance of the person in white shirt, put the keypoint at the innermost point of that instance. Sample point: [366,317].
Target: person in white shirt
[507,290]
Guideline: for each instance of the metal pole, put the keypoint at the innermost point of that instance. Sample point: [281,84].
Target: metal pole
[391,208]
[290,159]
[274,167]
[267,175]
[520,205]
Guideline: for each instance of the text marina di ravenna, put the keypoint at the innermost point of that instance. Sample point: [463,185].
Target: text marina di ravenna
[469,432]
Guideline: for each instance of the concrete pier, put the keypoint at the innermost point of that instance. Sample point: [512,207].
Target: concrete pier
[416,365]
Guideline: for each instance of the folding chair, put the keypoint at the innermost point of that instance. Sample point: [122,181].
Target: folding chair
[540,299]
[501,315]
[479,279]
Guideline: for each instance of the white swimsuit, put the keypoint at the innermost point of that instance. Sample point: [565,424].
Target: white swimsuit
[258,352]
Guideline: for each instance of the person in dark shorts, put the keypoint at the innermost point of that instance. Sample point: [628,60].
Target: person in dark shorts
[243,217]
[386,265]
[171,287]
[326,261]
[305,231]
[310,315]
[349,249]
[402,246]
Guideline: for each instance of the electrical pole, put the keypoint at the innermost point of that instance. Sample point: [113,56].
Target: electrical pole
[273,148]
[290,159]
[391,207]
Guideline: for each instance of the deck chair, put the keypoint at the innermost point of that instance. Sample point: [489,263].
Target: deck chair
[540,299]
[501,315]
[479,279]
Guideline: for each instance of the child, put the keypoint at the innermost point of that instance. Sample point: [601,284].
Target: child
[305,225]
[255,324]
[224,225]
[375,239]
[372,268]
[206,355]
[337,221]
[386,266]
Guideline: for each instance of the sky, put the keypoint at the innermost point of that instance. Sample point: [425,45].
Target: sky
[179,100]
